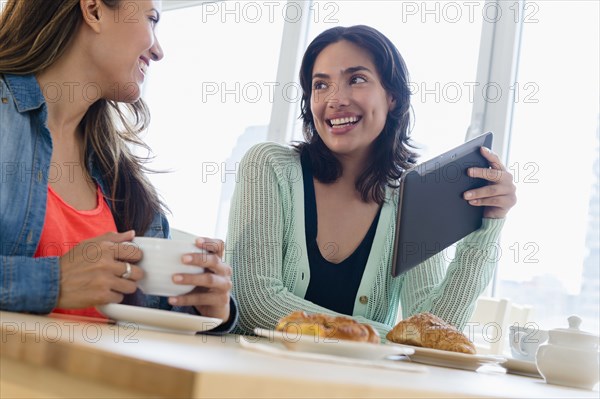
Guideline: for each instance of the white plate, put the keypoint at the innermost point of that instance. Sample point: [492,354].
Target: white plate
[521,367]
[157,319]
[464,361]
[332,346]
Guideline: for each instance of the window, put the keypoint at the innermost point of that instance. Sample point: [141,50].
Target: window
[550,241]
[211,99]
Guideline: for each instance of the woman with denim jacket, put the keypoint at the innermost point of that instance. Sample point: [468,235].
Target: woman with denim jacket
[70,83]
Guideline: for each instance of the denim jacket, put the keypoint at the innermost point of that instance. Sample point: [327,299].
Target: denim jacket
[29,284]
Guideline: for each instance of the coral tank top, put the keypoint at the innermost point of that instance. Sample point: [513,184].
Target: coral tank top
[65,227]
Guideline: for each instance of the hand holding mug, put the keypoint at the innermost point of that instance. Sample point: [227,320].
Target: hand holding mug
[99,271]
[213,288]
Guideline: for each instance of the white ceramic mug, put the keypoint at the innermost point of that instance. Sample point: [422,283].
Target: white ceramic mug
[525,340]
[161,259]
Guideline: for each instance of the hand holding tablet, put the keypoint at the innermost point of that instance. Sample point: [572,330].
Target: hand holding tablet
[498,196]
[433,209]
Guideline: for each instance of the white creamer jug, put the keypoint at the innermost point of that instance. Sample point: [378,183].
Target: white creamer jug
[570,357]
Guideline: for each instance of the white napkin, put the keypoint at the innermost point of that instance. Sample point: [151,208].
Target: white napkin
[278,350]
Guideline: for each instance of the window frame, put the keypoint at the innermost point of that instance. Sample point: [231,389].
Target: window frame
[501,42]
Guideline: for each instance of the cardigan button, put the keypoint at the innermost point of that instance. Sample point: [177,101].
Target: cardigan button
[363,299]
[4,100]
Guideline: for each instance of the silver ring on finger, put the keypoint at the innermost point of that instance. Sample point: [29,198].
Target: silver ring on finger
[127,273]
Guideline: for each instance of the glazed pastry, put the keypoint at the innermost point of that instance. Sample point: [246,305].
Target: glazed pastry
[325,326]
[429,331]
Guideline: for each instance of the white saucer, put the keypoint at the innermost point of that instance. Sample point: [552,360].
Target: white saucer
[157,319]
[464,361]
[521,367]
[331,346]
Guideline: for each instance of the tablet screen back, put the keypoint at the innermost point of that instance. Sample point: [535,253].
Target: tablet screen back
[432,213]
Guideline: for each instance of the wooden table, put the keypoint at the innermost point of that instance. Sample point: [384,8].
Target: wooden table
[43,356]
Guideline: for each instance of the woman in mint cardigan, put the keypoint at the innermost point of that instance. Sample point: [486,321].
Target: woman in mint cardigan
[355,112]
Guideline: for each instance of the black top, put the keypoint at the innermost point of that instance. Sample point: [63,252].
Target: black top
[332,285]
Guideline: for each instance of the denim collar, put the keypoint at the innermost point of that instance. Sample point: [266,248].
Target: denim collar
[28,96]
[26,91]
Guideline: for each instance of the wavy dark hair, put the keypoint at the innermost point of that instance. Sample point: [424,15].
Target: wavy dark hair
[34,34]
[391,154]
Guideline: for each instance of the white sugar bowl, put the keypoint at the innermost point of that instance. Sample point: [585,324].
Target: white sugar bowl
[570,357]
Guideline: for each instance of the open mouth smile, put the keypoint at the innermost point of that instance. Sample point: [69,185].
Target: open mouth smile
[339,123]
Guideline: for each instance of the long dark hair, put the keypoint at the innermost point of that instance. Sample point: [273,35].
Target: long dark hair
[391,154]
[33,36]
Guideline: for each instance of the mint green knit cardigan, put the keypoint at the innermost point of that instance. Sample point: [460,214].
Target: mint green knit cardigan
[266,248]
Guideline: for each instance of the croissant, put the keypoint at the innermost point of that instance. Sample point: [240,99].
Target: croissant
[325,326]
[429,331]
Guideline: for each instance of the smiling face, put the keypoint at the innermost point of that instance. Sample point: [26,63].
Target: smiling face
[124,45]
[348,102]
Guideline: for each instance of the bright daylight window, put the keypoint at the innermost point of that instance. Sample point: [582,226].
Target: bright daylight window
[550,242]
[211,99]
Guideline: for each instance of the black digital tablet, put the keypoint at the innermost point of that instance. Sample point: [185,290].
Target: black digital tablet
[432,213]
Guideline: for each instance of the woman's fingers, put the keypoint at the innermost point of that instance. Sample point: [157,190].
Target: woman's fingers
[498,196]
[209,302]
[93,284]
[206,280]
[492,190]
[493,158]
[210,297]
[489,174]
[501,201]
[495,173]
[133,272]
[127,252]
[208,261]
[212,293]
[212,245]
[110,246]
[123,285]
[91,273]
